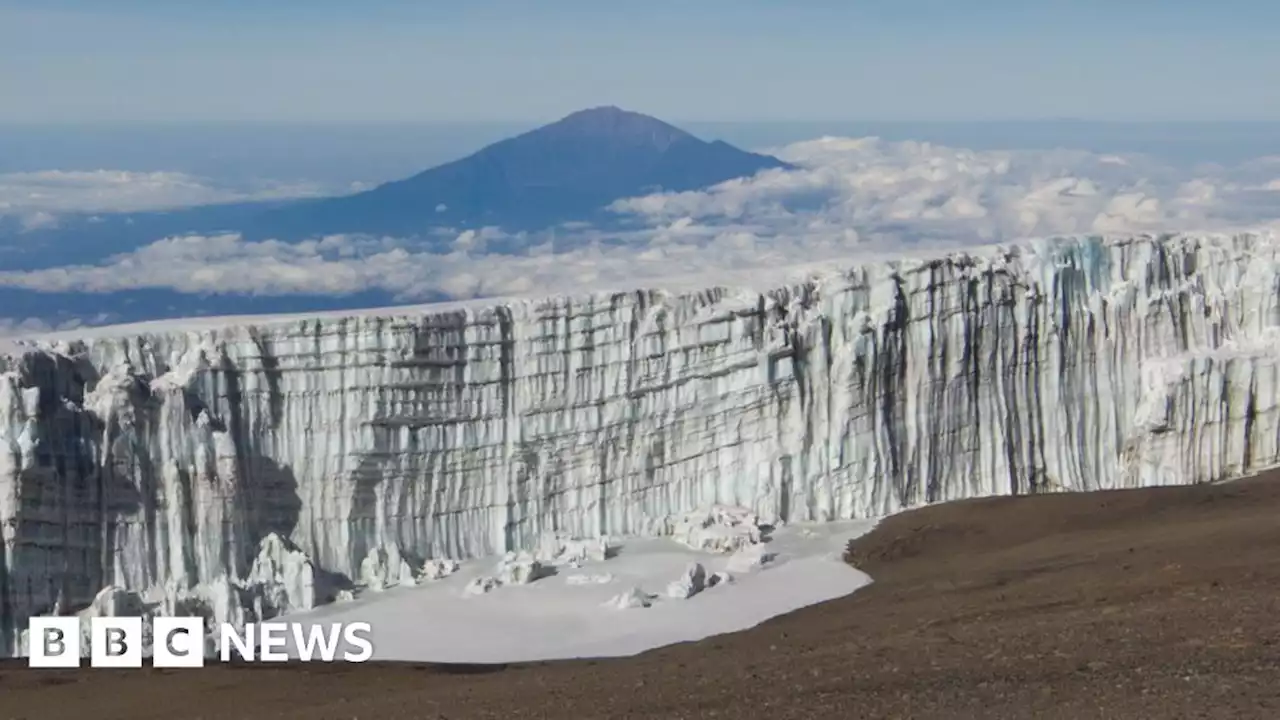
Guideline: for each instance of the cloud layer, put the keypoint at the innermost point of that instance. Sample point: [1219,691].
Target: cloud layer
[37,198]
[919,191]
[848,195]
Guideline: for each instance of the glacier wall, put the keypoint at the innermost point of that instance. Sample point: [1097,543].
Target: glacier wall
[148,458]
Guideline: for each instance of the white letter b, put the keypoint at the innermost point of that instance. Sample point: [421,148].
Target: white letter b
[116,642]
[54,642]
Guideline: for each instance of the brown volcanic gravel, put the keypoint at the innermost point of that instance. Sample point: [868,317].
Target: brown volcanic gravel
[1160,603]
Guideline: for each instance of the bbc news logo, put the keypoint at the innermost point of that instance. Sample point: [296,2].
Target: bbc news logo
[179,642]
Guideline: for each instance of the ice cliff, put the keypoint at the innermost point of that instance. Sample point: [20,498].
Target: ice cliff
[170,459]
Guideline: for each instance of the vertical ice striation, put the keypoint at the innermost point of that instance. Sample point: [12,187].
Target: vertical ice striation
[166,458]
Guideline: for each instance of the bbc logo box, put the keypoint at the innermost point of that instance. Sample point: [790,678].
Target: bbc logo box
[115,642]
[177,642]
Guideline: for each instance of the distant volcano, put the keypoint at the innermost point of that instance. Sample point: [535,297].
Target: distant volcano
[564,171]
[570,170]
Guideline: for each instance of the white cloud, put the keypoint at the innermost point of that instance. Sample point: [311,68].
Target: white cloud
[36,198]
[848,196]
[17,327]
[38,220]
[921,191]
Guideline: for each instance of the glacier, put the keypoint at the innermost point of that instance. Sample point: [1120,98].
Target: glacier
[283,454]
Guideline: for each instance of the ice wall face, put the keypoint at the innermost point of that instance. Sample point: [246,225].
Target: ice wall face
[164,459]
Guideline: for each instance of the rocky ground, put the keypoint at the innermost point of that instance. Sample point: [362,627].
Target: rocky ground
[1148,604]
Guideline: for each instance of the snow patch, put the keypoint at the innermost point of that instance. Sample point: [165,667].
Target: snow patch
[438,569]
[719,529]
[633,598]
[521,568]
[473,620]
[558,548]
[601,579]
[482,585]
[749,558]
[692,582]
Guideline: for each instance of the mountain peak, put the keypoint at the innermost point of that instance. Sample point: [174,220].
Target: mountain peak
[612,122]
[603,111]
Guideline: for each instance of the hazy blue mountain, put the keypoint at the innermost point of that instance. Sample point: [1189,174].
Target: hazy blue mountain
[564,171]
[569,170]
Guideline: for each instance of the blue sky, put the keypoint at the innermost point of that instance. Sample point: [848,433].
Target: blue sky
[377,60]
